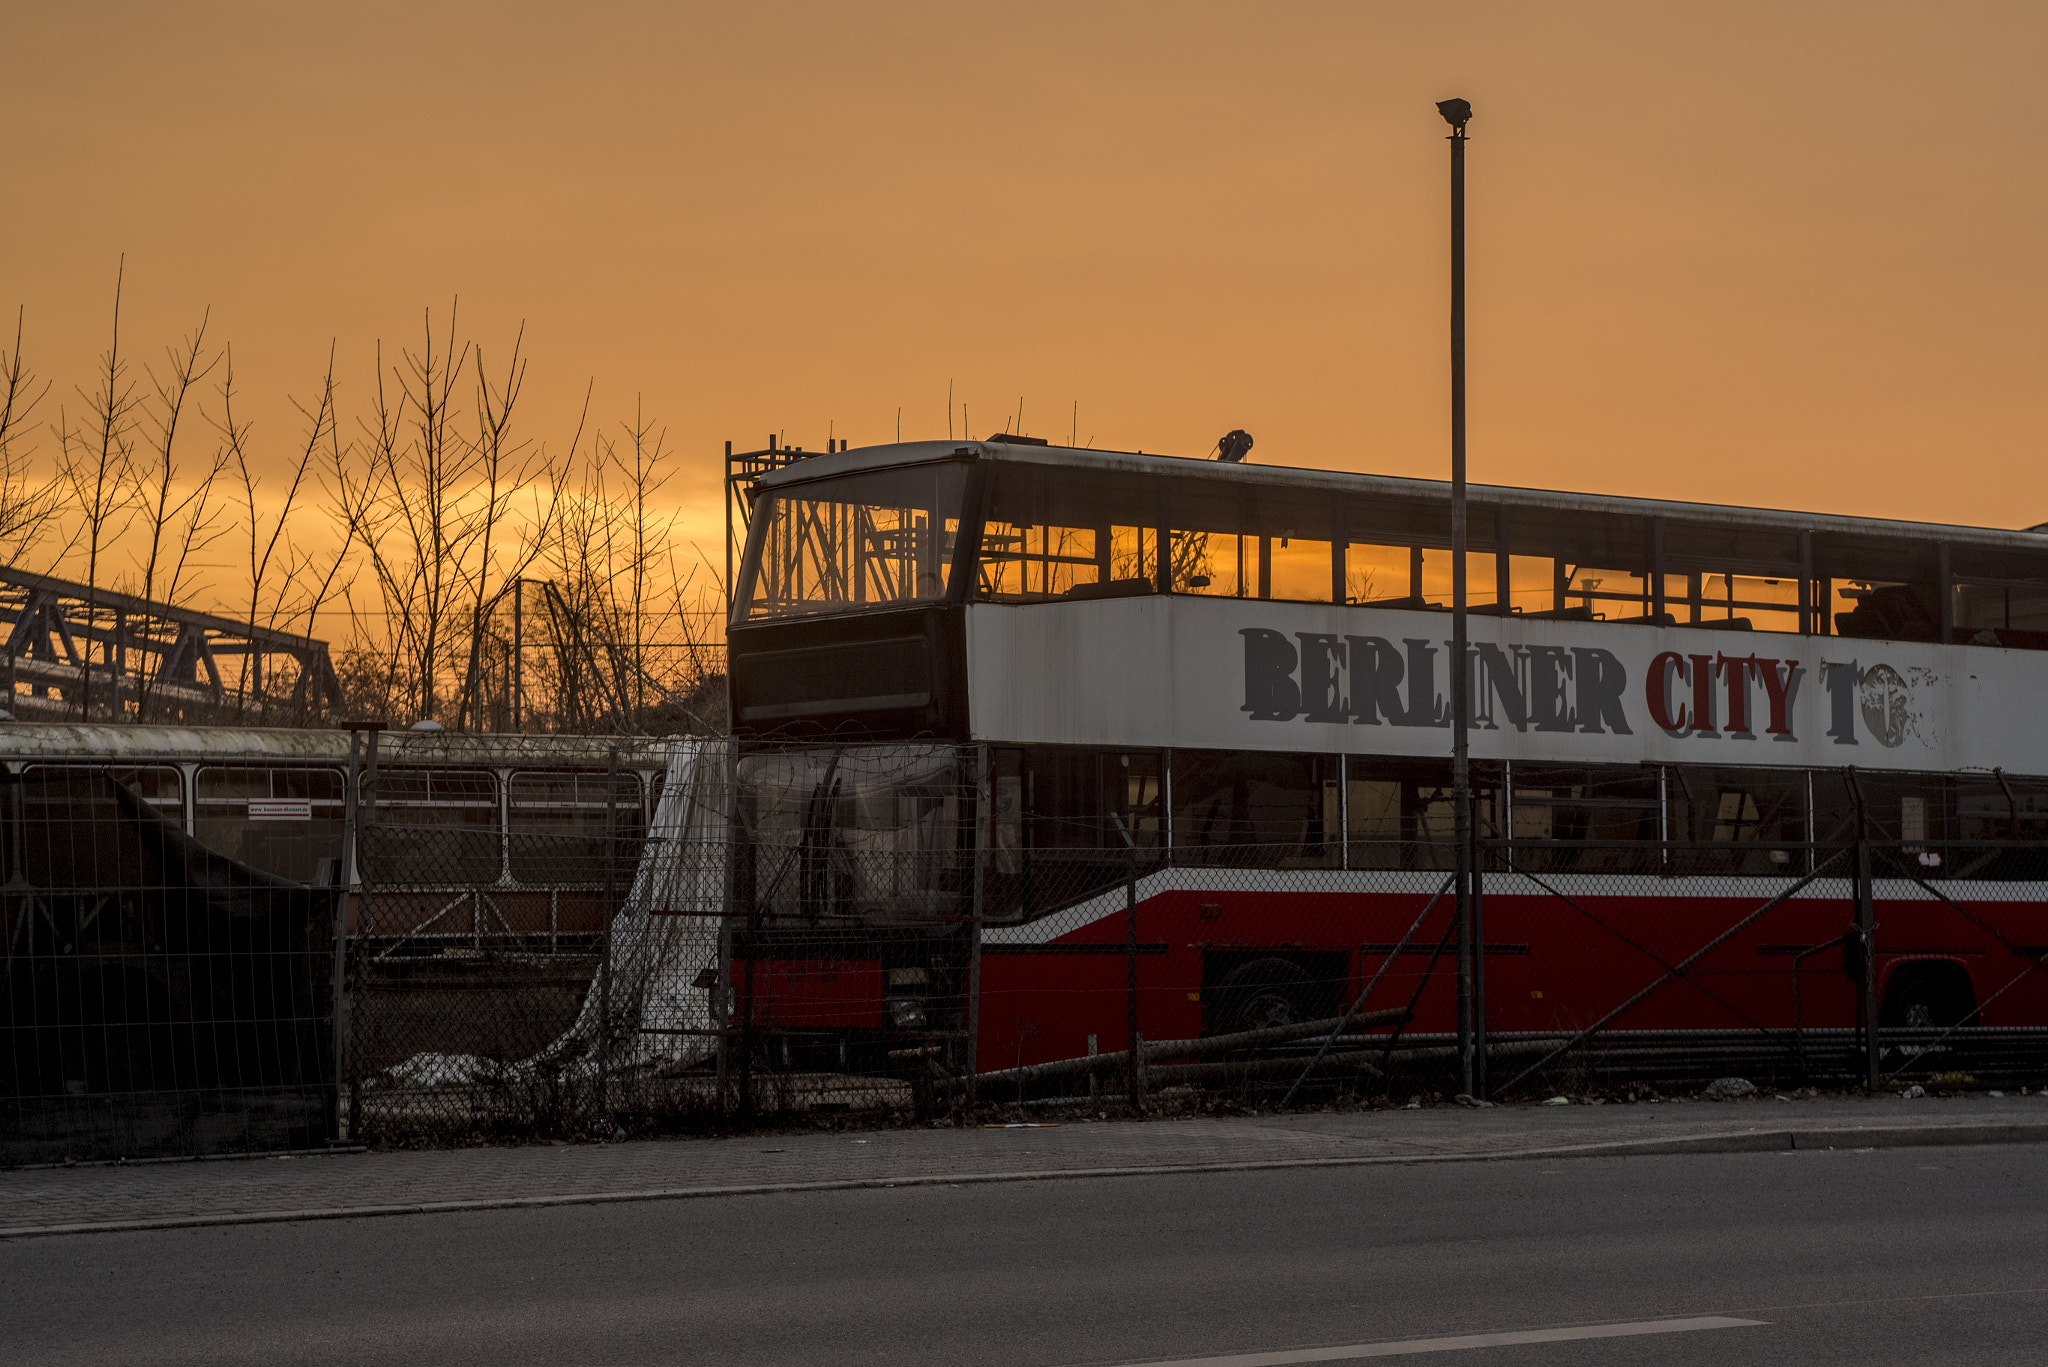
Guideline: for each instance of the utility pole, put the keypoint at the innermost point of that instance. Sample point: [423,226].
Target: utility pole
[1457,113]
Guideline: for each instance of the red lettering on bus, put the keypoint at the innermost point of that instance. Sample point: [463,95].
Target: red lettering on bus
[1736,670]
[1779,690]
[1658,690]
[1703,694]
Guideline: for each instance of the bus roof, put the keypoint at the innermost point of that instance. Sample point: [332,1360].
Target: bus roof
[1393,487]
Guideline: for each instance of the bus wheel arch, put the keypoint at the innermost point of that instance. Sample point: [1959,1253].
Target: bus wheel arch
[1254,989]
[1927,993]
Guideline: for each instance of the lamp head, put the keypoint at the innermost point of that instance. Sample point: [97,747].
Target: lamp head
[1234,445]
[1456,112]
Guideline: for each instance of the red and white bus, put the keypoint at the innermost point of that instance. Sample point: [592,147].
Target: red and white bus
[984,689]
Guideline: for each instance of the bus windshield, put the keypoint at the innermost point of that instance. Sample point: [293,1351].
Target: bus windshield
[881,538]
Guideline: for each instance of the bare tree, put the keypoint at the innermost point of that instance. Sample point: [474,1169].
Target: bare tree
[330,580]
[624,627]
[506,467]
[98,462]
[421,533]
[647,539]
[271,599]
[449,507]
[26,507]
[469,553]
[182,522]
[371,665]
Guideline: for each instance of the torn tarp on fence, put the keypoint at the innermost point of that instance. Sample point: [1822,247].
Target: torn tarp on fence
[643,1009]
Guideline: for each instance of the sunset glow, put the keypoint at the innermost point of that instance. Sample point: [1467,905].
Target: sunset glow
[1770,256]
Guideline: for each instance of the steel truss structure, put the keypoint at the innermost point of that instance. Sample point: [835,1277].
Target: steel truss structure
[91,652]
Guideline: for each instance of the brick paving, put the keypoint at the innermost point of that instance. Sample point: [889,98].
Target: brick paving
[36,1201]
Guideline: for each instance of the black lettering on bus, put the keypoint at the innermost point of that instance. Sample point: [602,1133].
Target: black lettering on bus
[1840,681]
[1424,708]
[1376,671]
[1601,681]
[1270,693]
[1322,682]
[1497,676]
[1550,670]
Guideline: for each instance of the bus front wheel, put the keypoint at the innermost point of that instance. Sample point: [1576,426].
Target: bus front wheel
[1923,995]
[1261,994]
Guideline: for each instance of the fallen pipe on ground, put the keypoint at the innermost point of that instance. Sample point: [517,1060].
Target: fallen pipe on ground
[1503,1049]
[1166,1074]
[1363,1060]
[1212,1044]
[1360,1060]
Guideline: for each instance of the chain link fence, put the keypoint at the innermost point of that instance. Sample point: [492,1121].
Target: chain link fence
[885,934]
[537,982]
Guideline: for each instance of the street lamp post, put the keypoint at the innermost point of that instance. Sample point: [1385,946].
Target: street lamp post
[1457,113]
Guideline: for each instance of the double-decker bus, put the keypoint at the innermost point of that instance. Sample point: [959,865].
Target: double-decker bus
[1081,707]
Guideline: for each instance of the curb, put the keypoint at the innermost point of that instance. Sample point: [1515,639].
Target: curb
[1858,1137]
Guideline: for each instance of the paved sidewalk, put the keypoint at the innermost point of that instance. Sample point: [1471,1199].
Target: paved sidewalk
[165,1195]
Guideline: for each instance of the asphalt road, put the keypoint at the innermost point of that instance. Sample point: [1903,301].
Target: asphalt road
[1890,1257]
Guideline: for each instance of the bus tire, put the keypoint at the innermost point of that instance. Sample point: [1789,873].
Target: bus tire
[1927,995]
[1262,993]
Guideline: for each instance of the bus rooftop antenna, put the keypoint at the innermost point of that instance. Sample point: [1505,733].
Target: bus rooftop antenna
[1234,445]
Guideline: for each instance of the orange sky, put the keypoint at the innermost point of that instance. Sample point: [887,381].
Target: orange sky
[1789,255]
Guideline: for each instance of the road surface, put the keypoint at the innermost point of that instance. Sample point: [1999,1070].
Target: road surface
[1889,1257]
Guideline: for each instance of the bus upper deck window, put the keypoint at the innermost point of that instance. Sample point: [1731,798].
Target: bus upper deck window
[875,539]
[1233,541]
[1064,533]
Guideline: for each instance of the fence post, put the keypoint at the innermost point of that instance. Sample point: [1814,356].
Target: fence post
[344,883]
[746,953]
[721,1004]
[604,969]
[366,821]
[1461,931]
[1478,877]
[1866,936]
[983,825]
[1135,1088]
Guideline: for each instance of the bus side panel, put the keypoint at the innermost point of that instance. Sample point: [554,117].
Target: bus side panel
[1578,971]
[1588,957]
[1553,966]
[1921,936]
[811,994]
[1237,927]
[1036,1008]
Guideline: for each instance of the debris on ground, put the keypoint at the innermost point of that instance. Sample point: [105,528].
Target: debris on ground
[1729,1088]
